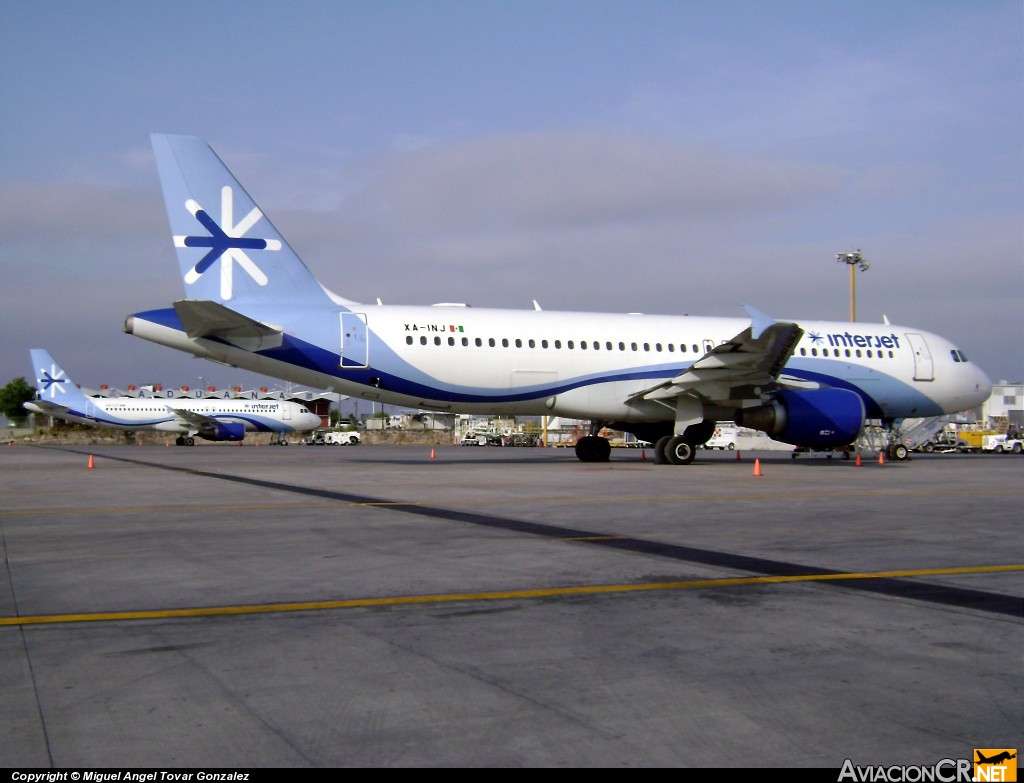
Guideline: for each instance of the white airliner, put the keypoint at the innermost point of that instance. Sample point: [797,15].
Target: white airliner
[252,303]
[209,419]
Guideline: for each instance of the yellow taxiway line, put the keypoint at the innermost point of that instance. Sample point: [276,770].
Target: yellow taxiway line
[503,595]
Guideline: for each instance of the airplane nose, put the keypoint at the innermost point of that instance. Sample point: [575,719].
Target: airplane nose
[977,389]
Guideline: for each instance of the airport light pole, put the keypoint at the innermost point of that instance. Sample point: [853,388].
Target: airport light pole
[854,260]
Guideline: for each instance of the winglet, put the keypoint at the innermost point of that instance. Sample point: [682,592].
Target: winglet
[759,322]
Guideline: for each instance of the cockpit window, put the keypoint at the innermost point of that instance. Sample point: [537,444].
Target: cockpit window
[958,355]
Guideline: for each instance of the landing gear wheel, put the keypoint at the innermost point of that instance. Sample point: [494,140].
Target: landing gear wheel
[190,441]
[179,441]
[679,451]
[659,450]
[899,452]
[593,449]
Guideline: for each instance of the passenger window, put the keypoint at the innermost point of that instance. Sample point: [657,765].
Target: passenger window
[423,341]
[479,342]
[490,341]
[408,339]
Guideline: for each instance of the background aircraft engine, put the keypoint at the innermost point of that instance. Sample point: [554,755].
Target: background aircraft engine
[818,418]
[226,432]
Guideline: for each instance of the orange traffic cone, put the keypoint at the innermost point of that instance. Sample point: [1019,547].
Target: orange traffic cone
[881,458]
[643,455]
[432,454]
[858,462]
[757,467]
[92,462]
[738,457]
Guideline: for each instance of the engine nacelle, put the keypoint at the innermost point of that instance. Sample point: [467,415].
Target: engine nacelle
[225,431]
[815,418]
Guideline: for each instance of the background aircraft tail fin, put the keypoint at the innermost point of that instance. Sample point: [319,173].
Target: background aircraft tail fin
[51,381]
[228,251]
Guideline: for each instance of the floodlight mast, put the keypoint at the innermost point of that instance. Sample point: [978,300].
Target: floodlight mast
[855,261]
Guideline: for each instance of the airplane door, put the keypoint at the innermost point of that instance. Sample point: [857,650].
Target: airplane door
[709,345]
[924,368]
[354,343]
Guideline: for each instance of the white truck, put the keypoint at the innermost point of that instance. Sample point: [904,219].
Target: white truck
[333,438]
[724,437]
[1002,443]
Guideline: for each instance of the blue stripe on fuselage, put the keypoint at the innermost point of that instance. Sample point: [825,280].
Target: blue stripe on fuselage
[394,374]
[870,384]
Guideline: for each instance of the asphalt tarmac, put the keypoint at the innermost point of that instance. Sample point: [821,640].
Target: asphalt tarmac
[227,606]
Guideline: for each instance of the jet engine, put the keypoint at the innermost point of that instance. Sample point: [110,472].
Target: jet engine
[815,418]
[225,431]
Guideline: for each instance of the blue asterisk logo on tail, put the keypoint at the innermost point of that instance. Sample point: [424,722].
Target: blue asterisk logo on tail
[227,243]
[52,381]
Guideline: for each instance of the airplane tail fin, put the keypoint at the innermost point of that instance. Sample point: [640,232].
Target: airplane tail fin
[228,251]
[52,382]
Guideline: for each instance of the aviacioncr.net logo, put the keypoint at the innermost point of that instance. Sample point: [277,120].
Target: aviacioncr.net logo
[227,243]
[943,771]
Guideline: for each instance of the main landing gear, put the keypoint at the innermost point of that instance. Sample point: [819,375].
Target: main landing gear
[674,450]
[182,440]
[593,448]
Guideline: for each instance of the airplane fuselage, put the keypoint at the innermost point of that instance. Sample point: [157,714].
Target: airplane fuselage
[162,415]
[584,365]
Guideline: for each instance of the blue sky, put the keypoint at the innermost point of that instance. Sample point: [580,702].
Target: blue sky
[676,157]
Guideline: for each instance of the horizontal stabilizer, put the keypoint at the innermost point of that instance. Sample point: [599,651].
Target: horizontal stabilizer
[203,318]
[47,408]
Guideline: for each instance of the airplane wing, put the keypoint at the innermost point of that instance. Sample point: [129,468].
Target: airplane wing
[195,420]
[753,358]
[203,318]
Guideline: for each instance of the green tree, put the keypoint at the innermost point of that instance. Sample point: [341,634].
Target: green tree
[13,395]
